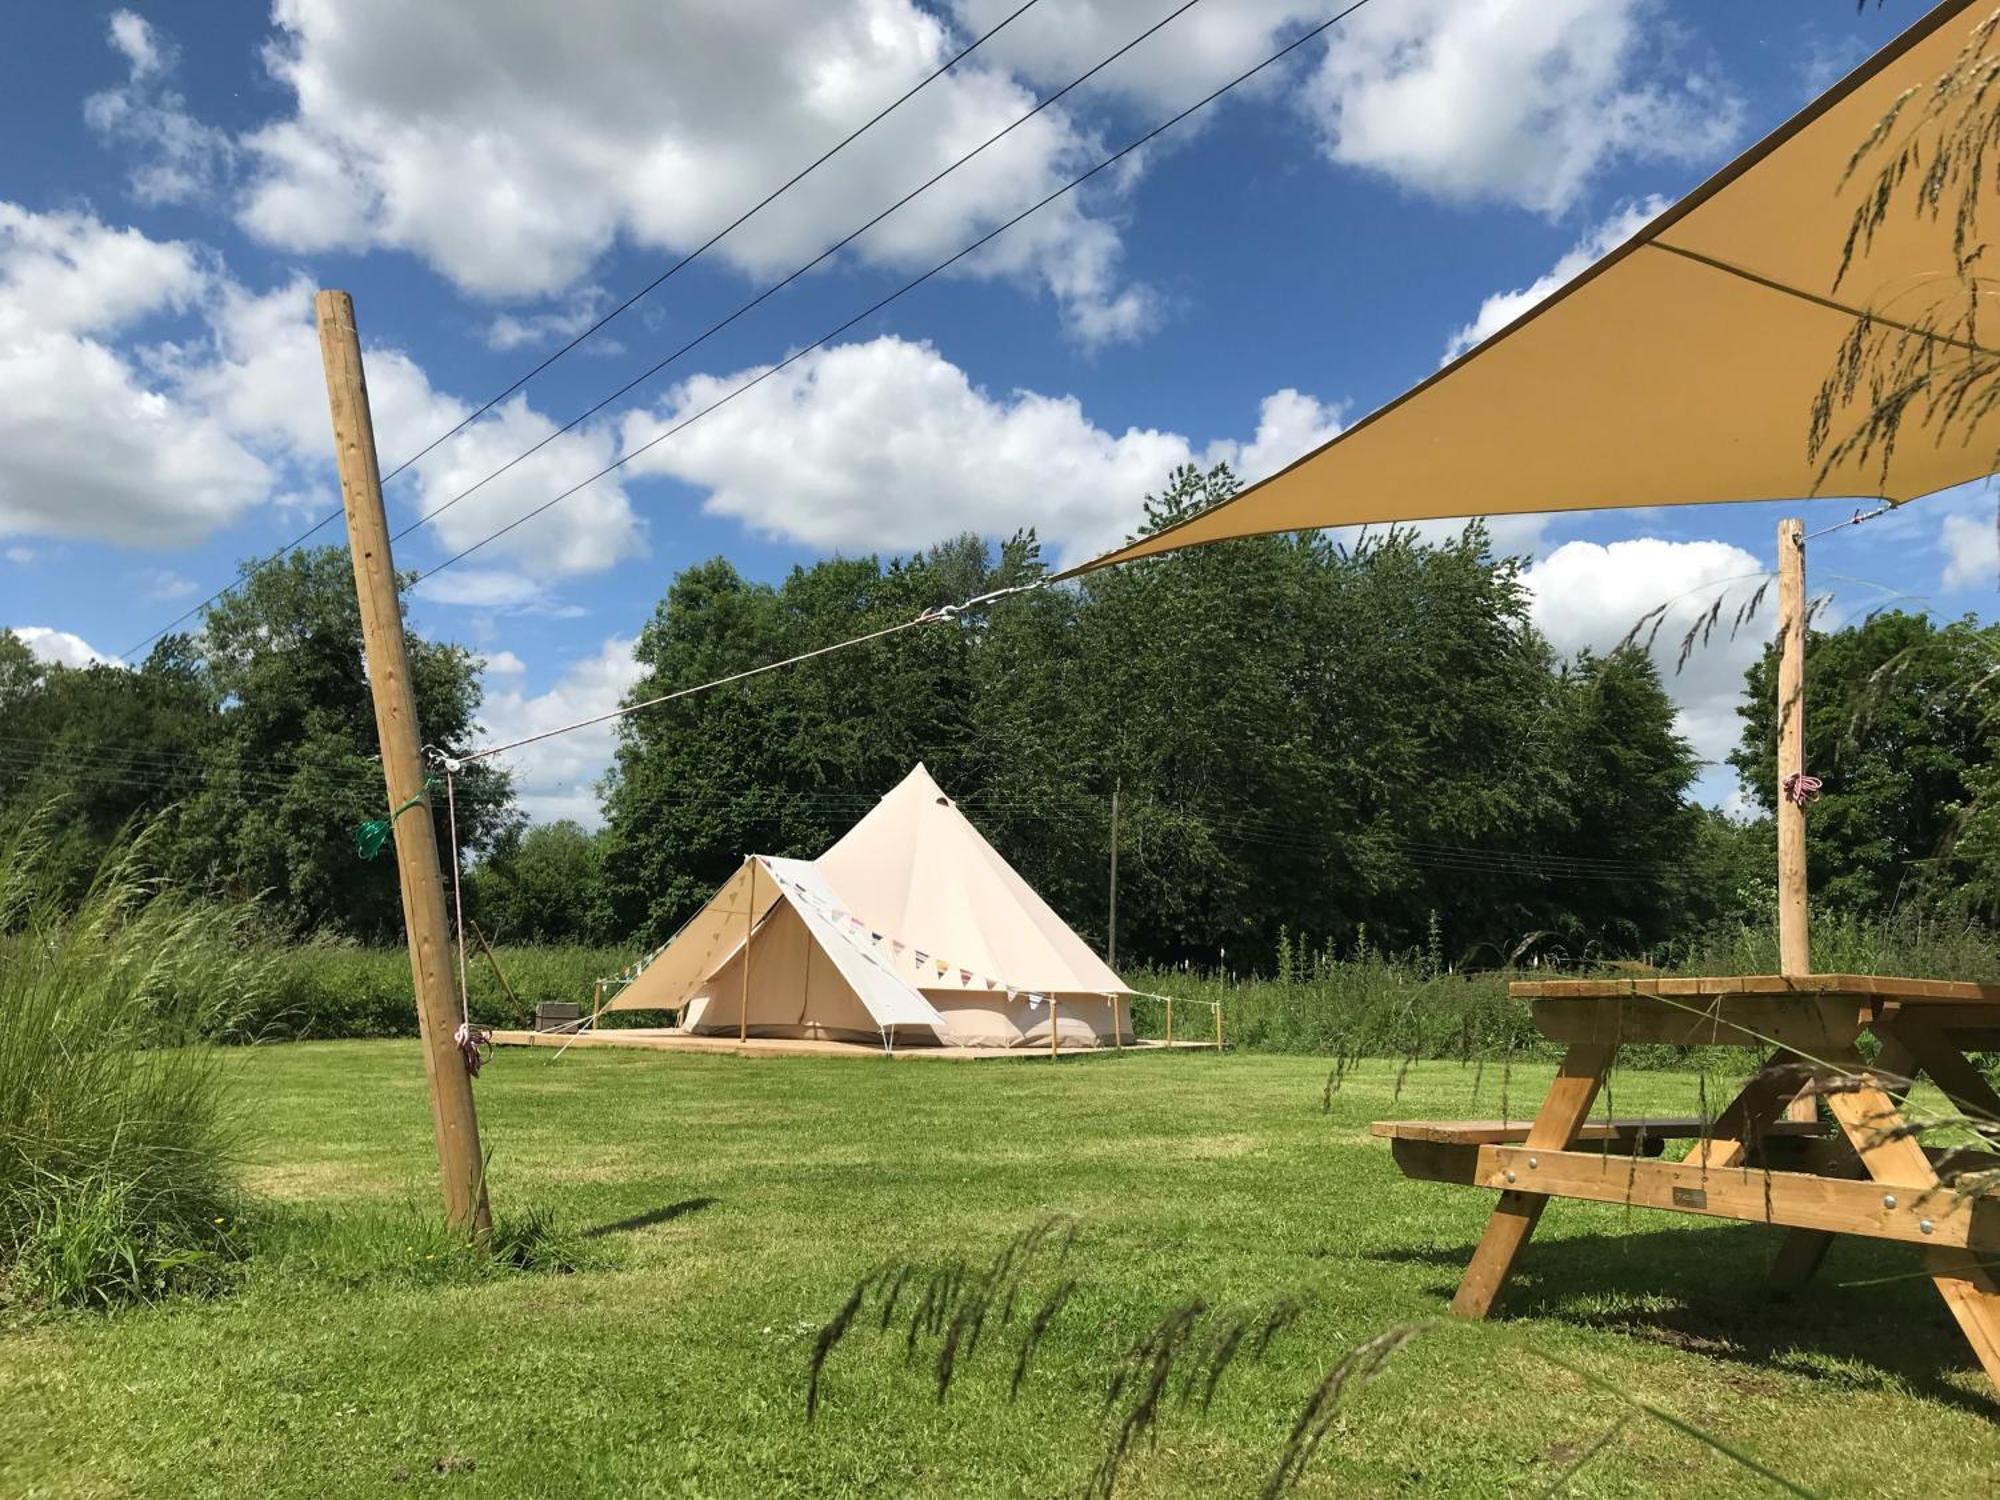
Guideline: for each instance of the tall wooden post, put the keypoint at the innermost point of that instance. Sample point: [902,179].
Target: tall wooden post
[460,1166]
[1111,939]
[1794,946]
[749,926]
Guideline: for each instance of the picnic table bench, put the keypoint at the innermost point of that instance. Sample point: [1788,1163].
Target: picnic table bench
[1866,1173]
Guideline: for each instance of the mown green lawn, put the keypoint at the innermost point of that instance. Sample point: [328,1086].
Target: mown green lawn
[731,1204]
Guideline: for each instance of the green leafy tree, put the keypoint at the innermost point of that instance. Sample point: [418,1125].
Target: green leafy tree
[294,766]
[110,746]
[540,884]
[1304,735]
[782,763]
[1902,740]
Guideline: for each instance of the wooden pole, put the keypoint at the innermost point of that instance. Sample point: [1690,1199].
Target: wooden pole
[460,1166]
[487,948]
[1054,1039]
[1170,1020]
[1218,1026]
[1794,947]
[749,923]
[1117,1025]
[1111,938]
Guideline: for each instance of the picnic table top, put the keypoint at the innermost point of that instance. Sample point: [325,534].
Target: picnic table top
[1871,986]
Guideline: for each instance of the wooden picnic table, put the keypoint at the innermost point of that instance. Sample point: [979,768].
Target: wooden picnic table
[1866,1173]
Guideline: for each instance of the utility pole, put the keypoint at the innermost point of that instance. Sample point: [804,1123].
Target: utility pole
[460,1166]
[1111,942]
[1794,947]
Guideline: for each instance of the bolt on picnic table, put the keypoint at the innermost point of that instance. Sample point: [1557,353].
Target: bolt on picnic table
[1870,1174]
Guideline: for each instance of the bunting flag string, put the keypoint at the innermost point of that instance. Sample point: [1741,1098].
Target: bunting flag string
[921,959]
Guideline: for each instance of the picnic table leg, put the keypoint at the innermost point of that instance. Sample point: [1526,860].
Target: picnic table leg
[1870,1119]
[1803,1251]
[1562,1115]
[1762,1100]
[1950,1069]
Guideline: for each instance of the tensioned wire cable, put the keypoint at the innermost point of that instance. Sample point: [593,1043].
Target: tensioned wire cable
[907,287]
[645,291]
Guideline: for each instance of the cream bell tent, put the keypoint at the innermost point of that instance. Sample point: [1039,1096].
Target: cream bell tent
[910,930]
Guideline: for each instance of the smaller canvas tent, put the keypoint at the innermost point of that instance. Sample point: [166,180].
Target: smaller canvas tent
[911,929]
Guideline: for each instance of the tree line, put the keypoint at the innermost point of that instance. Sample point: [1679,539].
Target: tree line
[1354,742]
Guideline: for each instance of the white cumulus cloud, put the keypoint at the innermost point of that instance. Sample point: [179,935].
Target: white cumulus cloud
[1971,546]
[90,444]
[62,648]
[888,445]
[107,436]
[510,144]
[557,778]
[176,157]
[1591,597]
[1512,101]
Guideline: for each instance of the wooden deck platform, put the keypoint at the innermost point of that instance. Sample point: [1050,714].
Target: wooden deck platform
[652,1039]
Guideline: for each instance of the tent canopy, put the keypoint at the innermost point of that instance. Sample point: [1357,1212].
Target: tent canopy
[910,923]
[1682,368]
[916,867]
[714,938]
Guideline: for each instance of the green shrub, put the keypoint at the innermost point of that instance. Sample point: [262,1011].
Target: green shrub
[1369,1004]
[334,987]
[115,1134]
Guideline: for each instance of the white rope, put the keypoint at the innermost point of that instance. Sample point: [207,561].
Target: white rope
[943,614]
[473,1045]
[457,899]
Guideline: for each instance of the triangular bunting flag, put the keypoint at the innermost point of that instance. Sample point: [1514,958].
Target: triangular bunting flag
[921,957]
[965,976]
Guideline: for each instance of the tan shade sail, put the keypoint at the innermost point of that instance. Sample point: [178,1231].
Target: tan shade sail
[1680,369]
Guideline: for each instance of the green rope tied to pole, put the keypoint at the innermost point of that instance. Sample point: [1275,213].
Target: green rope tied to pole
[373,834]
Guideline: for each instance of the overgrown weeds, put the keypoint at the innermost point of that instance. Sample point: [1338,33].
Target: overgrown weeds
[116,1136]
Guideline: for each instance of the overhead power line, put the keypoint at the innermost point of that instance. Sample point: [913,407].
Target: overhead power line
[647,374]
[907,287]
[623,307]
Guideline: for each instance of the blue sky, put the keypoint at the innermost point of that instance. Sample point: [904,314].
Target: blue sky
[485,175]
